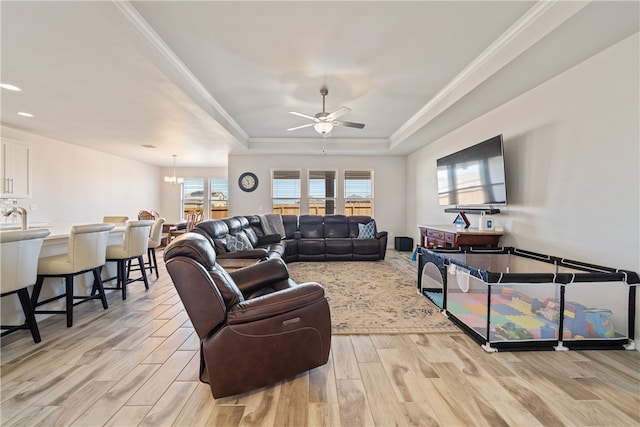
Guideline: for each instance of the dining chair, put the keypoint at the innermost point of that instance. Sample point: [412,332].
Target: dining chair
[20,251]
[86,252]
[146,215]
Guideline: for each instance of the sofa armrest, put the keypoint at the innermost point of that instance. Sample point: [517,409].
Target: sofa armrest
[381,234]
[269,239]
[260,275]
[255,253]
[276,303]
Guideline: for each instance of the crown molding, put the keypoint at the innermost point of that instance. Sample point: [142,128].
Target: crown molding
[186,77]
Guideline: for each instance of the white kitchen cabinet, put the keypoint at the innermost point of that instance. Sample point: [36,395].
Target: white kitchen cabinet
[16,170]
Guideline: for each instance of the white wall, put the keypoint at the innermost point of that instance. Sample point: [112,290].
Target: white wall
[72,184]
[572,153]
[389,183]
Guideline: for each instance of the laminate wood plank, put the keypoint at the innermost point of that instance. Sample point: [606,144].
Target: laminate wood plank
[260,407]
[322,384]
[128,416]
[476,408]
[168,346]
[553,374]
[58,393]
[624,399]
[170,327]
[32,416]
[130,360]
[625,365]
[443,404]
[79,402]
[292,402]
[342,349]
[226,415]
[517,415]
[353,404]
[402,375]
[599,413]
[324,415]
[197,408]
[364,349]
[192,342]
[166,410]
[191,371]
[378,386]
[138,335]
[112,401]
[419,414]
[152,390]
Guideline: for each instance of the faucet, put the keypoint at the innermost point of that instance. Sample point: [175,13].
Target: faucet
[21,211]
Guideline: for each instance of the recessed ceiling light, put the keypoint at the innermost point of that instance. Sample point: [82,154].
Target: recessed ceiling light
[10,87]
[23,114]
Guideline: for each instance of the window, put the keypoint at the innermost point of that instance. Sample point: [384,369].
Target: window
[358,193]
[286,192]
[200,194]
[322,192]
[219,201]
[192,195]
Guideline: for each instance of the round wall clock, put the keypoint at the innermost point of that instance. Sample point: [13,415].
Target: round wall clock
[248,181]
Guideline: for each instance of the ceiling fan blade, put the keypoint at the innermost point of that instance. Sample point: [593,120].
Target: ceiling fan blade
[339,112]
[306,116]
[303,126]
[348,124]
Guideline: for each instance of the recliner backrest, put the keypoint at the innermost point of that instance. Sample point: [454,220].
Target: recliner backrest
[196,247]
[311,226]
[336,226]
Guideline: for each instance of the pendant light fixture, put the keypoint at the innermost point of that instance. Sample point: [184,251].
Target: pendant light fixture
[173,180]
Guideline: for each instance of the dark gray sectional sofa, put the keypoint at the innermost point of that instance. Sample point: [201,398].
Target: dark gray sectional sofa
[306,238]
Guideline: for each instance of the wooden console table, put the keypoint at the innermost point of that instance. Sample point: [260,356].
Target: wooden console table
[449,236]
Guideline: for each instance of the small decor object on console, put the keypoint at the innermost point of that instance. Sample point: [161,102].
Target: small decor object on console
[462,221]
[248,181]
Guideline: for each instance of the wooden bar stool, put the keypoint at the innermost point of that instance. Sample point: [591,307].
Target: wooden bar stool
[86,253]
[20,250]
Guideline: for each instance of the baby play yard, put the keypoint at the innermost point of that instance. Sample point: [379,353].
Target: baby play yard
[510,299]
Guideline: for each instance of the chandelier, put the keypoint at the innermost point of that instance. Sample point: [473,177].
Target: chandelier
[173,180]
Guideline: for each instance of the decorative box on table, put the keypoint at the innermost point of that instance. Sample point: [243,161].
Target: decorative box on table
[512,299]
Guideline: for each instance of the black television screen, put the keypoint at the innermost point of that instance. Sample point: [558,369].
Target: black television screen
[474,175]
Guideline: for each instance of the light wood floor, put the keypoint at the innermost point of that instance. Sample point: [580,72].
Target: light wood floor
[137,364]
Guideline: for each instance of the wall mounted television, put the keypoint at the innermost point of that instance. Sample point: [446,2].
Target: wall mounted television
[474,176]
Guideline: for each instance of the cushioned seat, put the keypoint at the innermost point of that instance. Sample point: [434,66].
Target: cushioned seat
[86,253]
[133,247]
[20,250]
[256,325]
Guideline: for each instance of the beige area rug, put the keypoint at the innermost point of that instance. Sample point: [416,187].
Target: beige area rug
[372,298]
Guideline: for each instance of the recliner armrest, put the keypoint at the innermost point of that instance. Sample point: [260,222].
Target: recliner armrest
[260,275]
[276,303]
[255,253]
[381,234]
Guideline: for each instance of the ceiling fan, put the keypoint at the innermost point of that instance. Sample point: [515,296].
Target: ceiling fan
[324,122]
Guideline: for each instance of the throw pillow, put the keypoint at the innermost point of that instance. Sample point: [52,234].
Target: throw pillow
[238,242]
[367,231]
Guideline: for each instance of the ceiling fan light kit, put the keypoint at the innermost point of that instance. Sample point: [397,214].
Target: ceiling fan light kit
[323,121]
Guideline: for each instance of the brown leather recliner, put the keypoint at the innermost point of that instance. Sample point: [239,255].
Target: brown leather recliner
[256,325]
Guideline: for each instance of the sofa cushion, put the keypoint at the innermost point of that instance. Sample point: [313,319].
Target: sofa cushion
[238,242]
[367,231]
[311,226]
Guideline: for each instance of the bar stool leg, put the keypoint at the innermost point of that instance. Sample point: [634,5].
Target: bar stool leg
[97,287]
[69,289]
[30,320]
[144,272]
